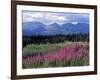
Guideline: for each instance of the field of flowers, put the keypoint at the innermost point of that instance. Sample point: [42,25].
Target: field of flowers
[55,55]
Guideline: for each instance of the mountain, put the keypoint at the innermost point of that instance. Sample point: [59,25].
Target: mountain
[52,29]
[38,28]
[33,28]
[82,27]
[54,26]
[76,28]
[68,27]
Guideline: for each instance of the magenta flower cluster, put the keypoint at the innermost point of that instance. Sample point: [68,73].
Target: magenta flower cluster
[68,52]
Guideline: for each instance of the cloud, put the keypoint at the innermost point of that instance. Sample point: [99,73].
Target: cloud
[38,15]
[61,18]
[54,17]
[75,22]
[44,17]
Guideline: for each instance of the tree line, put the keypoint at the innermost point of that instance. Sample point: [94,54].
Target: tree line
[43,39]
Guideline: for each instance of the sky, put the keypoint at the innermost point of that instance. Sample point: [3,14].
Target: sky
[54,17]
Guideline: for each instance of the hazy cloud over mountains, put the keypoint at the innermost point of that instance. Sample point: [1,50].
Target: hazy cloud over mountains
[50,23]
[54,17]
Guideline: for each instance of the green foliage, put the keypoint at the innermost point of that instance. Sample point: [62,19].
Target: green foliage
[77,62]
[62,63]
[44,39]
[41,48]
[45,49]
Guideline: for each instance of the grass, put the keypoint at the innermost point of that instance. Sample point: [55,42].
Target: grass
[56,55]
[41,48]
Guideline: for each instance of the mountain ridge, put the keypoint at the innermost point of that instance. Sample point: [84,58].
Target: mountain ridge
[38,28]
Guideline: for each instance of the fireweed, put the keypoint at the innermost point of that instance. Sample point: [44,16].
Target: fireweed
[69,55]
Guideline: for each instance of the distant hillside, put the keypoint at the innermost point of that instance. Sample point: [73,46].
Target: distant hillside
[38,28]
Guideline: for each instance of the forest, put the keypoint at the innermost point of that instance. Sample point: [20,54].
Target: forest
[44,39]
